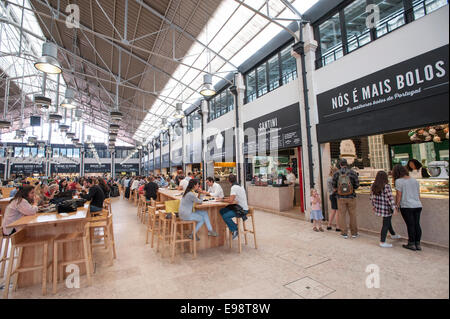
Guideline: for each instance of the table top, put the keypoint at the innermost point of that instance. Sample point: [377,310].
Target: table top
[5,200]
[52,218]
[178,194]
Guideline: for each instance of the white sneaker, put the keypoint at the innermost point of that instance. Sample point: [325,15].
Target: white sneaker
[385,245]
[396,236]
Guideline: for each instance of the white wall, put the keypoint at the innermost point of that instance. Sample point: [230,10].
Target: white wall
[221,124]
[283,96]
[423,35]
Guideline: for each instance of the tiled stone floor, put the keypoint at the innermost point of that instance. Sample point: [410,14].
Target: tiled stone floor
[291,261]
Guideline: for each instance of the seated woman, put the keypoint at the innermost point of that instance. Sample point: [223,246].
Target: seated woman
[24,203]
[51,192]
[187,203]
[40,191]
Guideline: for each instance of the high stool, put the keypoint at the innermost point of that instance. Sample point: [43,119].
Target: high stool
[107,235]
[157,205]
[153,224]
[20,241]
[83,238]
[135,197]
[164,230]
[4,257]
[107,204]
[192,242]
[242,229]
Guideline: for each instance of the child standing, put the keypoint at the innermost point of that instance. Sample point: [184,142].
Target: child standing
[316,211]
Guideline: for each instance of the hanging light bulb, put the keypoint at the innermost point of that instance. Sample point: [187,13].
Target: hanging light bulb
[42,101]
[179,114]
[207,88]
[69,101]
[48,63]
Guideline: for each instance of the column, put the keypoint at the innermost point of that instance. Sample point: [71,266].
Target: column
[113,164]
[205,111]
[239,126]
[183,144]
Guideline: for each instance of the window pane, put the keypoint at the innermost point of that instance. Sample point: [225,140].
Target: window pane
[355,23]
[230,101]
[421,8]
[288,66]
[76,152]
[56,152]
[274,73]
[223,103]
[41,153]
[26,152]
[69,152]
[391,16]
[63,152]
[262,79]
[331,40]
[251,86]
[18,151]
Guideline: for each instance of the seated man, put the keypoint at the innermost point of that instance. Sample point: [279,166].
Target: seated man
[238,197]
[214,189]
[151,189]
[95,195]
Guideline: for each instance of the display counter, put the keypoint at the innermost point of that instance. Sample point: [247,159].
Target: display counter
[276,199]
[434,219]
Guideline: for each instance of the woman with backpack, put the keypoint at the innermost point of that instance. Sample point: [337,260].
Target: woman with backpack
[384,206]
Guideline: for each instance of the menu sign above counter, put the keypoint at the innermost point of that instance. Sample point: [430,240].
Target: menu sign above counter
[127,168]
[414,79]
[66,168]
[97,168]
[27,168]
[276,130]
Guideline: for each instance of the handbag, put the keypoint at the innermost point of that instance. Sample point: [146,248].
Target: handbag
[239,211]
[67,206]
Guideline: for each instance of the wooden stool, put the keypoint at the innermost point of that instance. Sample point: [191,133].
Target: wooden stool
[157,205]
[83,238]
[5,252]
[107,234]
[242,225]
[192,242]
[135,196]
[153,224]
[19,241]
[107,204]
[164,230]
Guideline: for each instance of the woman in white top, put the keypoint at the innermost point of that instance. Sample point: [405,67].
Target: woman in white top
[237,197]
[416,169]
[408,199]
[24,203]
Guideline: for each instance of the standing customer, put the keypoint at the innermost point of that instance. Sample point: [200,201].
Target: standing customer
[345,182]
[126,185]
[333,199]
[408,199]
[187,204]
[384,206]
[316,211]
[238,205]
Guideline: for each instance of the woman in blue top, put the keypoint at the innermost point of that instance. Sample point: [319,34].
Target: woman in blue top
[187,203]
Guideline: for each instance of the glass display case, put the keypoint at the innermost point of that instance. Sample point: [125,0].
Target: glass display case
[429,187]
[223,169]
[267,167]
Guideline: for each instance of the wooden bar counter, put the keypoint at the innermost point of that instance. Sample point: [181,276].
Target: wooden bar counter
[50,224]
[212,207]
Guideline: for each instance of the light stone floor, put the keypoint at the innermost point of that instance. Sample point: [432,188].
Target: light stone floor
[291,262]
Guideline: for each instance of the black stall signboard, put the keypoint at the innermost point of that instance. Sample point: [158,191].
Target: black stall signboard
[165,161]
[127,168]
[401,91]
[66,168]
[276,130]
[27,169]
[97,168]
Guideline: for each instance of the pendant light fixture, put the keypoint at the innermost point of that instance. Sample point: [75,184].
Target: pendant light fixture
[48,62]
[179,114]
[164,125]
[207,89]
[5,124]
[69,101]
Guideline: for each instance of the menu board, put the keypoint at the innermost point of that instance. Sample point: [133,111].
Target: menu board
[128,168]
[97,168]
[65,168]
[276,130]
[27,169]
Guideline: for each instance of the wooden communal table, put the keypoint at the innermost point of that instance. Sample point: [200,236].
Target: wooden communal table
[51,224]
[212,207]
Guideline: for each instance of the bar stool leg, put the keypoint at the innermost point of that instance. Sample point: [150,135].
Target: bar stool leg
[2,261]
[245,232]
[5,255]
[87,263]
[8,275]
[174,238]
[254,232]
[44,270]
[55,266]
[194,240]
[239,221]
[19,261]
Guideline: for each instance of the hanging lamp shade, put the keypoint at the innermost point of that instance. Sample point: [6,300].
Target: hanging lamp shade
[69,101]
[5,124]
[42,101]
[114,127]
[207,88]
[21,133]
[70,135]
[48,62]
[75,140]
[164,125]
[179,114]
[116,115]
[64,128]
[54,117]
